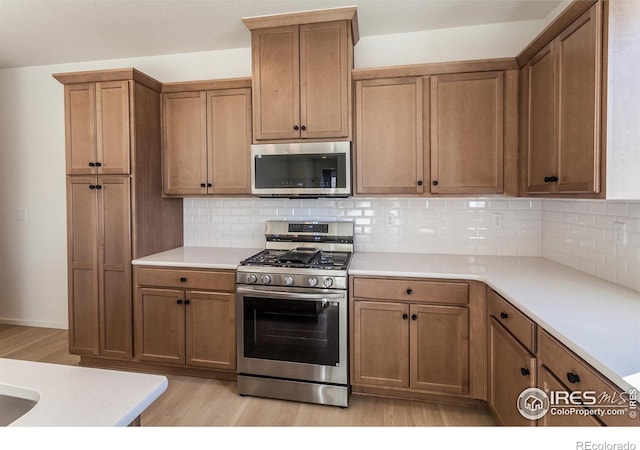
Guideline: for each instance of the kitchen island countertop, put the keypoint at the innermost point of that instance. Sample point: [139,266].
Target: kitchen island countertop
[75,396]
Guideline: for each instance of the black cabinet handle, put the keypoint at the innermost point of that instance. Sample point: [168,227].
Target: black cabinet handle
[91,186]
[98,186]
[504,315]
[98,164]
[524,371]
[414,317]
[409,291]
[186,302]
[303,128]
[209,185]
[435,182]
[203,185]
[296,127]
[92,164]
[419,182]
[573,378]
[183,280]
[405,316]
[179,302]
[551,179]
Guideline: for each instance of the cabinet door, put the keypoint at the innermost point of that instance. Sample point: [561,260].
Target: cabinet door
[276,82]
[579,50]
[547,382]
[511,370]
[211,330]
[389,153]
[324,80]
[467,133]
[80,128]
[184,143]
[541,126]
[160,316]
[381,344]
[229,141]
[439,343]
[112,127]
[82,241]
[114,280]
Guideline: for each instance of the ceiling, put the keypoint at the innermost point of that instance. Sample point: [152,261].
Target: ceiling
[41,32]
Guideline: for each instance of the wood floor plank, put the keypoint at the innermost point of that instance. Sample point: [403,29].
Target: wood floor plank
[200,402]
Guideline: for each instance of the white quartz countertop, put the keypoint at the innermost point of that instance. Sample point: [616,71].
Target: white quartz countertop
[198,257]
[598,320]
[79,396]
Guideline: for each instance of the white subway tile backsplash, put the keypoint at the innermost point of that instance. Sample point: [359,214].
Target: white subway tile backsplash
[587,243]
[438,225]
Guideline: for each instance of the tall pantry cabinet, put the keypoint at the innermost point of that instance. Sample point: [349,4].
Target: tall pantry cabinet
[115,209]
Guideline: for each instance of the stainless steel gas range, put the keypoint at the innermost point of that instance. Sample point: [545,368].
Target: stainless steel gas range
[292,314]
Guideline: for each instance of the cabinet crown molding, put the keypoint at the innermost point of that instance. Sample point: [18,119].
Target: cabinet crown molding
[349,13]
[109,75]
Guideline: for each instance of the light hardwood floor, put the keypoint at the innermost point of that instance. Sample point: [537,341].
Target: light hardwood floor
[205,402]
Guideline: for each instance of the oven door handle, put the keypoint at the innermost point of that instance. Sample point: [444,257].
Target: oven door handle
[291,295]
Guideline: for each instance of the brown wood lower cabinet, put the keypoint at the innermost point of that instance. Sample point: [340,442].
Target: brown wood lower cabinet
[512,369]
[185,326]
[407,346]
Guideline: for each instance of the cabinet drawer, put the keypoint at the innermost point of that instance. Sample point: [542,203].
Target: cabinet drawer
[186,279]
[414,290]
[513,320]
[566,365]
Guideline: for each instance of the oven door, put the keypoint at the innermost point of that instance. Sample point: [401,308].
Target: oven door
[298,334]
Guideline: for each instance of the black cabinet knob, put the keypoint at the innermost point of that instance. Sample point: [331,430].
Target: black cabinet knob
[504,315]
[303,128]
[414,317]
[296,127]
[419,182]
[573,378]
[435,182]
[98,164]
[551,179]
[409,291]
[91,186]
[98,186]
[186,302]
[183,280]
[524,371]
[405,316]
[179,302]
[91,164]
[202,185]
[209,185]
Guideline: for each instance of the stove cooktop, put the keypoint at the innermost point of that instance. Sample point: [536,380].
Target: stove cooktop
[300,258]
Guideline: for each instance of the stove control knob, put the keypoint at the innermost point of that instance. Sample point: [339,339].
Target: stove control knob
[252,278]
[288,280]
[266,279]
[328,282]
[313,281]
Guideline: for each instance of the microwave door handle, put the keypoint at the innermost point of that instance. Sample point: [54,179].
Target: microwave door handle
[290,295]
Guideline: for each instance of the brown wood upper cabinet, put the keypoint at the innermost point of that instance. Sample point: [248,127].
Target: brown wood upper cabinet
[97,127]
[448,133]
[561,98]
[206,141]
[302,75]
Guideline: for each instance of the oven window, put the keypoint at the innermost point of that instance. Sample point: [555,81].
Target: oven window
[301,171]
[291,330]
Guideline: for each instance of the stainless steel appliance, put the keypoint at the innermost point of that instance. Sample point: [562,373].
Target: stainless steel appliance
[292,314]
[308,169]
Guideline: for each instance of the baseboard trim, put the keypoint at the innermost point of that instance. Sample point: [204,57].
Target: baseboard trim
[33,323]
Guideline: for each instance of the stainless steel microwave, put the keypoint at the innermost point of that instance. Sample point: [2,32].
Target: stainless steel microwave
[309,169]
